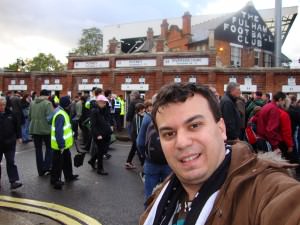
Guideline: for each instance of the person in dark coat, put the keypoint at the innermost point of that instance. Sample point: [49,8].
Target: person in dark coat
[230,112]
[134,99]
[10,132]
[101,131]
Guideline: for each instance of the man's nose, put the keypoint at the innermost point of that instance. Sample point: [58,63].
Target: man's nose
[183,139]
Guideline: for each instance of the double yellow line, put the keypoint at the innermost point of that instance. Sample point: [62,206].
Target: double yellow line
[57,212]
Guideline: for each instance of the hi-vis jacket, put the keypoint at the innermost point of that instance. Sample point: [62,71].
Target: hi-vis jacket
[67,131]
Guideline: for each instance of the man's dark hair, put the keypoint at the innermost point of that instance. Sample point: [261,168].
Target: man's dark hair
[268,95]
[180,92]
[139,107]
[279,95]
[107,93]
[293,99]
[98,91]
[258,93]
[44,92]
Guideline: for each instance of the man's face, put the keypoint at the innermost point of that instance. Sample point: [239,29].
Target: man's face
[236,92]
[281,103]
[192,141]
[101,104]
[2,106]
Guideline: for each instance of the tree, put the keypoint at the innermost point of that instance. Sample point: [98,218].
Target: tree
[44,63]
[41,62]
[91,42]
[18,66]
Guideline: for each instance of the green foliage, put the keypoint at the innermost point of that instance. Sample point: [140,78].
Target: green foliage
[91,42]
[42,62]
[16,67]
[45,63]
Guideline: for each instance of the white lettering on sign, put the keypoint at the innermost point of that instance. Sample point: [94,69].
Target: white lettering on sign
[199,61]
[136,63]
[132,87]
[249,29]
[52,87]
[91,64]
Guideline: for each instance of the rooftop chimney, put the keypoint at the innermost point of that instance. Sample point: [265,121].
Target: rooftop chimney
[164,29]
[186,23]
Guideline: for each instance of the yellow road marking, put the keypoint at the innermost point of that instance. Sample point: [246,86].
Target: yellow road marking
[76,214]
[54,215]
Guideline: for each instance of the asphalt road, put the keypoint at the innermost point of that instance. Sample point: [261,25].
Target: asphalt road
[116,199]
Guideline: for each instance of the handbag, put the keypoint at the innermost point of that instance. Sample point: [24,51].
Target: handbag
[79,157]
[250,134]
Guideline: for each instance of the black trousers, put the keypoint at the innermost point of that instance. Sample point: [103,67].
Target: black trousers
[86,137]
[61,162]
[9,152]
[102,147]
[132,152]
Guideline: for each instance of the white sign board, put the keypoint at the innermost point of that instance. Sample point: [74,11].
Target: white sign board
[14,87]
[291,81]
[199,61]
[245,88]
[91,64]
[88,87]
[52,87]
[136,63]
[135,87]
[291,88]
[248,81]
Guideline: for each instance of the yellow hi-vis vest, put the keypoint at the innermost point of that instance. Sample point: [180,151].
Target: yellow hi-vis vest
[122,103]
[68,133]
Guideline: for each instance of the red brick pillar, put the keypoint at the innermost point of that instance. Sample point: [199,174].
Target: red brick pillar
[159,74]
[1,83]
[32,84]
[211,80]
[270,81]
[68,85]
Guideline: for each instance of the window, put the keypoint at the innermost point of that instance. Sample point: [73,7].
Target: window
[256,58]
[268,60]
[235,57]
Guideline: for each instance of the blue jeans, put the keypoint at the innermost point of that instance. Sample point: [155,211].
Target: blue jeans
[154,174]
[43,163]
[11,168]
[25,130]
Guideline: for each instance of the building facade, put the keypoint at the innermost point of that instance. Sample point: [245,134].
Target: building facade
[235,47]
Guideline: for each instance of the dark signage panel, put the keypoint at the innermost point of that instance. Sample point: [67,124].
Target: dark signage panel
[246,28]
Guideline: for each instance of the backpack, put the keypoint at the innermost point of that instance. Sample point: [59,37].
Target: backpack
[153,149]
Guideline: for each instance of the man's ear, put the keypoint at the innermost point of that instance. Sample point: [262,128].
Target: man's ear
[222,128]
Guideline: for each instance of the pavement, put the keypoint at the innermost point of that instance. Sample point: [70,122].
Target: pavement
[116,199]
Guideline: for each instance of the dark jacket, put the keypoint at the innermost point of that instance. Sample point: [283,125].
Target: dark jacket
[99,124]
[131,109]
[294,112]
[10,128]
[136,126]
[255,192]
[231,117]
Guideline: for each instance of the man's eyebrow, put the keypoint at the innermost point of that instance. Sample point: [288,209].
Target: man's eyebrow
[194,118]
[166,128]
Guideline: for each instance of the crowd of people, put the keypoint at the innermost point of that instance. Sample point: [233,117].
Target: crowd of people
[187,138]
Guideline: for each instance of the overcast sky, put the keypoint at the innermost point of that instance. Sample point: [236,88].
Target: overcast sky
[29,27]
